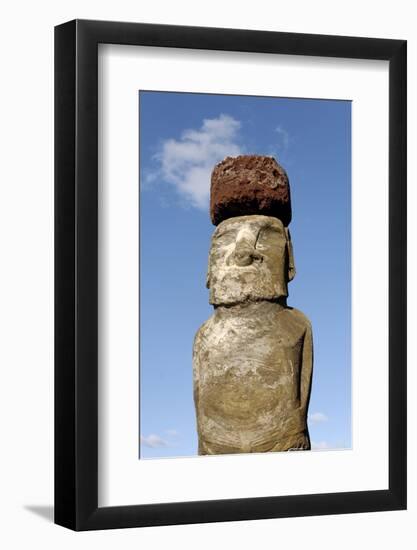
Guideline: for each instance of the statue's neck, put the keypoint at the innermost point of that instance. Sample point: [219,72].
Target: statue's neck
[259,307]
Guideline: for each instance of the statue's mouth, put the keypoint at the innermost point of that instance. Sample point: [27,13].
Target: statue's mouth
[246,268]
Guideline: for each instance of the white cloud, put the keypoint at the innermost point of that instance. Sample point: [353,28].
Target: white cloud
[283,138]
[187,162]
[321,445]
[172,433]
[317,417]
[153,441]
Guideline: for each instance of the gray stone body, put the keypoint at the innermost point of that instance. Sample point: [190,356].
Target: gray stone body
[253,359]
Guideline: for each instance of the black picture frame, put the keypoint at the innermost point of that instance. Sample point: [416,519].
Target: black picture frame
[76,272]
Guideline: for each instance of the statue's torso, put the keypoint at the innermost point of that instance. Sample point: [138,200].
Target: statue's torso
[249,368]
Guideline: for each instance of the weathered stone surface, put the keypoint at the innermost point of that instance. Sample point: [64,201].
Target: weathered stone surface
[253,359]
[249,184]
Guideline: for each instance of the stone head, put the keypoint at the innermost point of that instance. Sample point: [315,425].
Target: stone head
[250,259]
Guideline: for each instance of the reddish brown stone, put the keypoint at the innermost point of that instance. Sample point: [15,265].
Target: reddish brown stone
[249,184]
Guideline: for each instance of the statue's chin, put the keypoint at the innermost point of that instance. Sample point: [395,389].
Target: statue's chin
[235,286]
[226,299]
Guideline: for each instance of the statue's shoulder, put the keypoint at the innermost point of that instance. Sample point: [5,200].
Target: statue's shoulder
[298,317]
[202,332]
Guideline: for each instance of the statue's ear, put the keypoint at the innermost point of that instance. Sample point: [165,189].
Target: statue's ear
[208,273]
[290,256]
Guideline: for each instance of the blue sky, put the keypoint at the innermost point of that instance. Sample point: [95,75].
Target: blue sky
[182,137]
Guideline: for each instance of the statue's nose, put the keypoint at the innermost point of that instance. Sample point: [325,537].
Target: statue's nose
[245,253]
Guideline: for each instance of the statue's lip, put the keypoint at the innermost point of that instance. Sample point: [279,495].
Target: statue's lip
[255,266]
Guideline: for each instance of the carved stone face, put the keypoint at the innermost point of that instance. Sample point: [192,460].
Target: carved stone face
[250,259]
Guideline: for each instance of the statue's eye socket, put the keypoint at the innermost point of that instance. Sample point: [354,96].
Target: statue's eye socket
[225,237]
[270,232]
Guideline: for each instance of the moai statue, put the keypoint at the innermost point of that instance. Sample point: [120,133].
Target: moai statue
[253,359]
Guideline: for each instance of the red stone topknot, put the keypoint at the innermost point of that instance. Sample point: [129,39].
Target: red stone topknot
[249,184]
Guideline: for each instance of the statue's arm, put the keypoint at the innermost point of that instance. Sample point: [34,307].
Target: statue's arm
[196,365]
[306,369]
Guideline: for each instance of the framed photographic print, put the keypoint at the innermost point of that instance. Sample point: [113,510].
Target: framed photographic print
[230,248]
